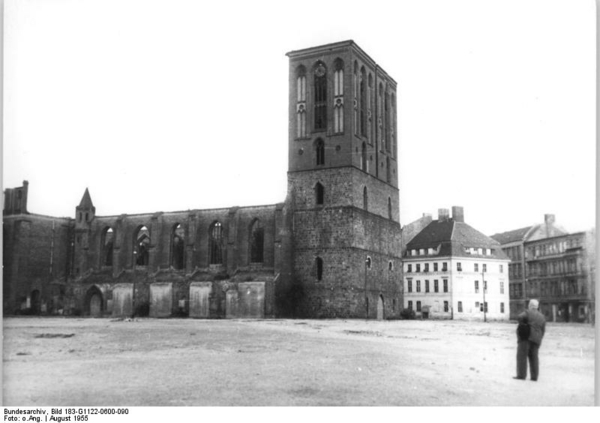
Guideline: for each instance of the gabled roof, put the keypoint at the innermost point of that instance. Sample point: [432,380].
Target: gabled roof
[86,200]
[512,236]
[450,238]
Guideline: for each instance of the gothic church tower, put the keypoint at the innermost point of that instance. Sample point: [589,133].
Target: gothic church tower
[343,184]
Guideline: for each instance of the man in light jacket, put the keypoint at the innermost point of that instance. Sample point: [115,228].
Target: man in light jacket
[528,348]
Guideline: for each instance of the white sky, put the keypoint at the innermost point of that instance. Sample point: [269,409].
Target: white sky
[176,105]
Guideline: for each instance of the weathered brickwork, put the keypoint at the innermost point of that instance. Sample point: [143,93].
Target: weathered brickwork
[342,207]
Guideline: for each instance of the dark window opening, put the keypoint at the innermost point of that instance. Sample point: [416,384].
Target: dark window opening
[107,247]
[365,199]
[320,97]
[257,237]
[178,253]
[460,307]
[363,102]
[319,193]
[320,152]
[363,160]
[215,247]
[319,261]
[141,247]
[389,208]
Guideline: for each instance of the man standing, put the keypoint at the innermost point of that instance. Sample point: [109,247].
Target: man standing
[529,346]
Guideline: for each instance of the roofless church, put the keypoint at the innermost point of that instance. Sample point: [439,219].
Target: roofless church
[331,249]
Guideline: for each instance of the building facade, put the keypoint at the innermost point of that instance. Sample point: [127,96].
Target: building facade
[553,266]
[332,249]
[525,271]
[452,271]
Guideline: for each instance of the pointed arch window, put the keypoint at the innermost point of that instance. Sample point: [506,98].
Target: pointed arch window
[141,246]
[338,97]
[320,93]
[108,238]
[364,163]
[365,199]
[319,263]
[386,120]
[370,108]
[388,170]
[216,243]
[380,132]
[363,102]
[319,194]
[393,125]
[301,102]
[178,247]
[257,242]
[356,81]
[320,152]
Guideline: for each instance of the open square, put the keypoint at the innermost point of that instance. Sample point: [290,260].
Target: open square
[190,362]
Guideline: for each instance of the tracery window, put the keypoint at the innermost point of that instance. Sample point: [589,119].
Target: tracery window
[338,97]
[320,94]
[216,243]
[301,102]
[257,241]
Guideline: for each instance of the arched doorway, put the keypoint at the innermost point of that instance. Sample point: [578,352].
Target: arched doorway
[94,302]
[380,308]
[36,303]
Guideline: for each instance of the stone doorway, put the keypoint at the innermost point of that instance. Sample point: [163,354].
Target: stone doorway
[36,303]
[94,301]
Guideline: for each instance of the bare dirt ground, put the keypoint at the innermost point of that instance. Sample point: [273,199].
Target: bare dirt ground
[188,362]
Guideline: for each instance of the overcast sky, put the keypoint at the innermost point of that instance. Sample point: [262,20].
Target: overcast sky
[176,105]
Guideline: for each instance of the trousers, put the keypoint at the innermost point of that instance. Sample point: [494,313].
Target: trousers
[528,350]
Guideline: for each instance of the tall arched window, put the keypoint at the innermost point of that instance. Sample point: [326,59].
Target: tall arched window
[319,193]
[338,94]
[215,243]
[389,208]
[257,241]
[363,158]
[380,136]
[320,152]
[370,108]
[386,121]
[388,170]
[365,199]
[393,125]
[141,246]
[356,95]
[301,102]
[320,92]
[363,102]
[319,263]
[178,247]
[108,238]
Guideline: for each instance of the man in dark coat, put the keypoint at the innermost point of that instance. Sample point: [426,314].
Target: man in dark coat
[529,346]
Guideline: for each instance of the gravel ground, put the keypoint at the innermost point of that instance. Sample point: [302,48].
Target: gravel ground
[188,362]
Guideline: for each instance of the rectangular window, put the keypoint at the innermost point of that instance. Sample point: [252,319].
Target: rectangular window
[485,286]
[484,267]
[486,306]
[418,305]
[435,286]
[445,285]
[476,287]
[426,286]
[501,307]
[409,285]
[426,267]
[446,306]
[460,307]
[476,267]
[477,306]
[418,268]
[410,304]
[418,286]
[409,269]
[444,267]
[435,267]
[502,287]
[459,267]
[501,269]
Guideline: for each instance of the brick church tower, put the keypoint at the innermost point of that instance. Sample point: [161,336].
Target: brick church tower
[343,184]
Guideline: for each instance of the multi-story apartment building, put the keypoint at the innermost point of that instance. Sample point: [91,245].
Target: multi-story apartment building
[453,271]
[553,266]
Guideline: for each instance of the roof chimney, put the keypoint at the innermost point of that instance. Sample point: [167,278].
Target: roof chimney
[443,215]
[549,219]
[458,214]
